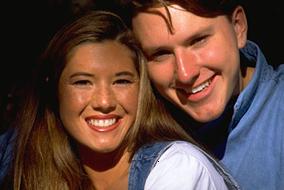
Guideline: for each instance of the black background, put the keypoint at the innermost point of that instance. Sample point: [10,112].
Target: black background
[26,26]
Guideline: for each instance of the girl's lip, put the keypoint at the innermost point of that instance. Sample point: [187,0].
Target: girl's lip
[91,122]
[105,129]
[108,116]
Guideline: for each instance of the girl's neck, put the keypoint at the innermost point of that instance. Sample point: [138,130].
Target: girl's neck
[107,171]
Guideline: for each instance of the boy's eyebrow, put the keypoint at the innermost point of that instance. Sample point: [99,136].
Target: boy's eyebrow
[197,34]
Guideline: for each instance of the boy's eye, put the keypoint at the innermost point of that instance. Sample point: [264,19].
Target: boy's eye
[160,55]
[199,40]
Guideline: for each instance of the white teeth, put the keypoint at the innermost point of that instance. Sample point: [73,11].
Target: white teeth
[200,87]
[102,122]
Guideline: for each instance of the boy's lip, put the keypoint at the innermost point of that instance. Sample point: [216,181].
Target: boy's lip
[199,92]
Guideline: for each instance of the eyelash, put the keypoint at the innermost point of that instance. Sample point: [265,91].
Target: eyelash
[119,82]
[123,82]
[82,82]
[158,56]
[199,40]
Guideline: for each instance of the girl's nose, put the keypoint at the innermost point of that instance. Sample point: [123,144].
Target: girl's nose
[104,100]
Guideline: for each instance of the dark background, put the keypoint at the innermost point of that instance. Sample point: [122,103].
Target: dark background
[26,27]
[265,22]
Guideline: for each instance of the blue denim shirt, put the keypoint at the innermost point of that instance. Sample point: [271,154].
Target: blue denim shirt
[146,157]
[254,151]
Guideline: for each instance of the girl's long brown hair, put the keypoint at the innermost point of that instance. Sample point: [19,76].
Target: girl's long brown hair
[44,156]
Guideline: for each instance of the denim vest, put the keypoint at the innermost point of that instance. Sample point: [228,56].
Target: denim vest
[147,156]
[6,149]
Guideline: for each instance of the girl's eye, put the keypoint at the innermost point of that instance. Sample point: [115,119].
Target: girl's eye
[82,83]
[123,82]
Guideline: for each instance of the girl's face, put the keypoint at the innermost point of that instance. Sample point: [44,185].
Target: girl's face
[98,95]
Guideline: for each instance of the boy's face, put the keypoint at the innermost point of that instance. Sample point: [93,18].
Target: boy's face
[196,67]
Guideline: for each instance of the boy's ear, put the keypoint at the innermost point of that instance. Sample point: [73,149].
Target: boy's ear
[239,21]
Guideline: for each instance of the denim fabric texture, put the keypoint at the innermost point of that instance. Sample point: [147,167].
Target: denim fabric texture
[254,152]
[6,147]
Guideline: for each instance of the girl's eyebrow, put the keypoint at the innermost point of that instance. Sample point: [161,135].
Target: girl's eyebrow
[122,73]
[125,73]
[81,74]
